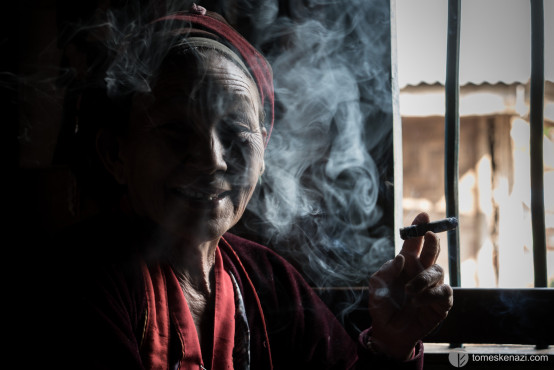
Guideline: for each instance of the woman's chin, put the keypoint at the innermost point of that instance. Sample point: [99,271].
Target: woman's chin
[206,218]
[198,228]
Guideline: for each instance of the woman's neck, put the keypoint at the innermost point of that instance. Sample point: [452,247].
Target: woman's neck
[193,265]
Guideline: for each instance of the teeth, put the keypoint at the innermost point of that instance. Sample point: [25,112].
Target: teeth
[197,195]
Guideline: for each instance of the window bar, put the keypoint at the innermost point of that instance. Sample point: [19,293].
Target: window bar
[536,120]
[452,134]
[536,142]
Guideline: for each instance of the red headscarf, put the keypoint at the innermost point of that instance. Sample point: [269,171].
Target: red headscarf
[202,23]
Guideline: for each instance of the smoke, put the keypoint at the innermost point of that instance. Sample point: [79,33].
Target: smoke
[322,199]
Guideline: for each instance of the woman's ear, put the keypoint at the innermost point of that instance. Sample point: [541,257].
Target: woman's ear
[108,147]
[264,135]
[264,138]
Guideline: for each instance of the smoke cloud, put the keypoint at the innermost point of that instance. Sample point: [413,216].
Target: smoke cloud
[322,202]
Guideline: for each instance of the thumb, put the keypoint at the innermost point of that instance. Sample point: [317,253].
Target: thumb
[398,264]
[385,276]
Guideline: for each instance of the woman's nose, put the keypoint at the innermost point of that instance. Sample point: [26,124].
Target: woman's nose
[210,153]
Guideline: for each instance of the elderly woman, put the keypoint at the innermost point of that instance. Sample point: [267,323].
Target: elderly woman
[159,282]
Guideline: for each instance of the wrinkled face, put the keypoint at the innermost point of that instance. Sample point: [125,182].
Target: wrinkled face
[194,149]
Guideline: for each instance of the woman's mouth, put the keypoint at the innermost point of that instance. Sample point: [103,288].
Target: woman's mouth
[201,196]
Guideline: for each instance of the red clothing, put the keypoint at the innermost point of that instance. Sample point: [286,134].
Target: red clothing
[106,304]
[166,303]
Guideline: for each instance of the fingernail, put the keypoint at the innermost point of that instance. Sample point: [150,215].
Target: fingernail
[398,260]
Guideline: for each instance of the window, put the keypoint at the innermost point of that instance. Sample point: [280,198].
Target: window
[496,240]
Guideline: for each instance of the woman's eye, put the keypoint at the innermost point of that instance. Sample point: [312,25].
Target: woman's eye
[236,128]
[238,124]
[243,130]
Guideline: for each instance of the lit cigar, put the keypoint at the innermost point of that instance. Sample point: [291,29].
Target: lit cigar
[439,226]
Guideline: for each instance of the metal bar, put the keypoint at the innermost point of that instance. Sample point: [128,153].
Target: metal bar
[536,140]
[452,136]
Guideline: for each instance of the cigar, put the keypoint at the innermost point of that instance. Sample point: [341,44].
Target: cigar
[439,226]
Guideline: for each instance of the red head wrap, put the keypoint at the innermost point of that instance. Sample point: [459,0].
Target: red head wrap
[201,23]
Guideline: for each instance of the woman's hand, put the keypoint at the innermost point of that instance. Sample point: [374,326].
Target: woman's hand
[407,296]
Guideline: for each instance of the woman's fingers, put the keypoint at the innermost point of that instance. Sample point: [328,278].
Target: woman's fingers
[430,250]
[381,291]
[412,246]
[439,297]
[428,278]
[420,252]
[387,273]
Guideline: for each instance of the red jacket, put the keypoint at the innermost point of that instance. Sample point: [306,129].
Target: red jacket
[99,319]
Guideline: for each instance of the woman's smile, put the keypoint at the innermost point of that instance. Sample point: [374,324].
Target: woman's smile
[202,197]
[208,196]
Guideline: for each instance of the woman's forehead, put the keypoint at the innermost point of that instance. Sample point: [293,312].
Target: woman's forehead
[221,90]
[215,80]
[221,105]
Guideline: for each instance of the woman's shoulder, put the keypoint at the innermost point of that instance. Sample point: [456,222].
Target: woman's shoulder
[264,267]
[253,254]
[241,244]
